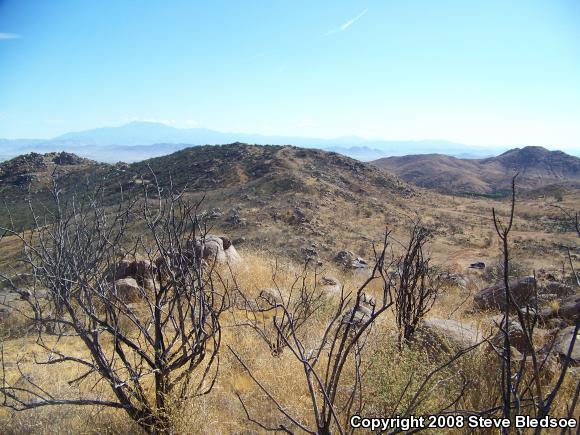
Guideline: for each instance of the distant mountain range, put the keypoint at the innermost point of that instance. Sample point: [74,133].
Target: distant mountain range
[537,167]
[138,141]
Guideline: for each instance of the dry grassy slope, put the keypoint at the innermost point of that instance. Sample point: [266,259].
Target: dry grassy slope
[537,166]
[389,384]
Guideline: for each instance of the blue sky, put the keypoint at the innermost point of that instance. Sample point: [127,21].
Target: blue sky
[490,72]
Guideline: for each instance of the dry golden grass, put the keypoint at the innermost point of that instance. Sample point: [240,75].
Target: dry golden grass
[62,419]
[387,369]
[10,247]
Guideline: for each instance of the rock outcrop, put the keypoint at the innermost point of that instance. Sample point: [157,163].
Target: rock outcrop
[25,169]
[562,342]
[127,290]
[215,248]
[349,260]
[522,291]
[568,310]
[357,317]
[448,334]
[138,267]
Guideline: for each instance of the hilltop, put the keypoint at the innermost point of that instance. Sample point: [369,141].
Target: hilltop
[283,199]
[537,167]
[34,170]
[270,168]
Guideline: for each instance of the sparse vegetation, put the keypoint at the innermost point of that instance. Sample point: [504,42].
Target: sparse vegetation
[494,271]
[301,344]
[163,348]
[417,284]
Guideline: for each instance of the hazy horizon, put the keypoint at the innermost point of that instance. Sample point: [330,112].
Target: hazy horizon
[140,140]
[492,74]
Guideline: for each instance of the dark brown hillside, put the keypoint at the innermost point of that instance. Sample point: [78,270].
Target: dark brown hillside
[538,167]
[539,162]
[280,198]
[34,170]
[283,198]
[269,169]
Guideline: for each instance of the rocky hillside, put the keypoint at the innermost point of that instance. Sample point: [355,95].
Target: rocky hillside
[34,170]
[285,201]
[305,202]
[269,169]
[537,166]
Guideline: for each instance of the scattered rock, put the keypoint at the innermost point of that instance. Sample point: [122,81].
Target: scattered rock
[210,248]
[363,312]
[555,323]
[328,280]
[568,310]
[215,213]
[522,291]
[239,241]
[547,297]
[358,263]
[344,257]
[448,334]
[562,342]
[128,290]
[235,219]
[477,265]
[64,158]
[309,252]
[516,335]
[456,279]
[137,267]
[548,275]
[266,300]
[21,171]
[349,260]
[215,248]
[558,288]
[270,296]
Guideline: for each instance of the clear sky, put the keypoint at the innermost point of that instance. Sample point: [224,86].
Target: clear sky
[492,72]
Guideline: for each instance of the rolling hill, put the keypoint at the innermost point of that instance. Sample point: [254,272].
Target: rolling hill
[537,167]
[280,197]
